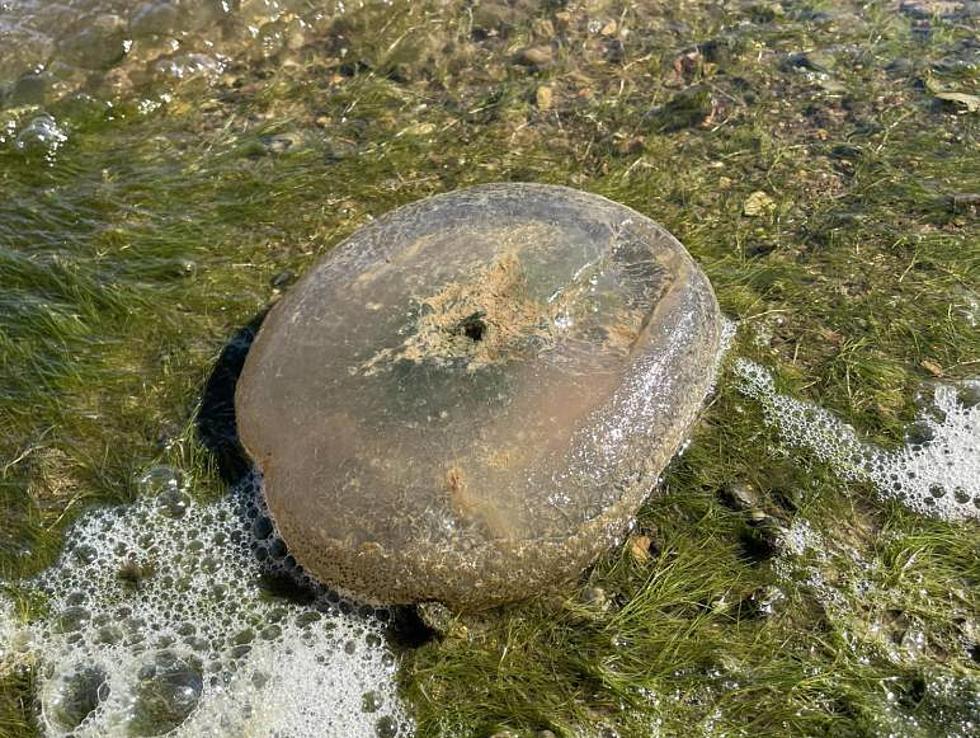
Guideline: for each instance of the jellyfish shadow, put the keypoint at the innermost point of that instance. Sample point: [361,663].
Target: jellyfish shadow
[217,431]
[216,422]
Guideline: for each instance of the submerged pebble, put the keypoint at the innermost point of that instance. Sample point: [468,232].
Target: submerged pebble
[468,400]
[98,44]
[30,90]
[155,19]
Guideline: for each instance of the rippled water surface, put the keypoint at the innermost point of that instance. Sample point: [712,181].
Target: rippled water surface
[53,48]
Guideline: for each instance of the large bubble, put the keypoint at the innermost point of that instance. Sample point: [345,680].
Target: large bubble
[74,693]
[171,617]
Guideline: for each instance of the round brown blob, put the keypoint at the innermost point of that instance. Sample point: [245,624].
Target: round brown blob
[468,399]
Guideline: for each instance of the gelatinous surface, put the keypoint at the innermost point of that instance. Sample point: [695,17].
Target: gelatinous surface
[471,396]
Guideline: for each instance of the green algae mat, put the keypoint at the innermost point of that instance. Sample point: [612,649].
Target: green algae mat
[809,565]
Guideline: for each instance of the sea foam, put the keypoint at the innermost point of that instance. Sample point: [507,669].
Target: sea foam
[936,472]
[161,621]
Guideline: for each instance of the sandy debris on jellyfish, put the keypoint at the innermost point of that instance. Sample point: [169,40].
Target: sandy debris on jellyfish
[157,626]
[939,476]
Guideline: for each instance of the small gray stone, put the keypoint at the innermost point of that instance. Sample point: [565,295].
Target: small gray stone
[30,89]
[467,401]
[155,19]
[99,45]
[437,616]
[740,496]
[492,17]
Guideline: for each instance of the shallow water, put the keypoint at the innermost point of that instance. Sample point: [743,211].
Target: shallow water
[53,48]
[167,169]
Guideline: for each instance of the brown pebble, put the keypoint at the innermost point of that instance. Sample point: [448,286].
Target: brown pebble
[543,29]
[640,549]
[535,56]
[544,97]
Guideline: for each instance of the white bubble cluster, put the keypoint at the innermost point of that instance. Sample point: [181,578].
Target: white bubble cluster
[161,620]
[8,632]
[936,473]
[725,340]
[43,134]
